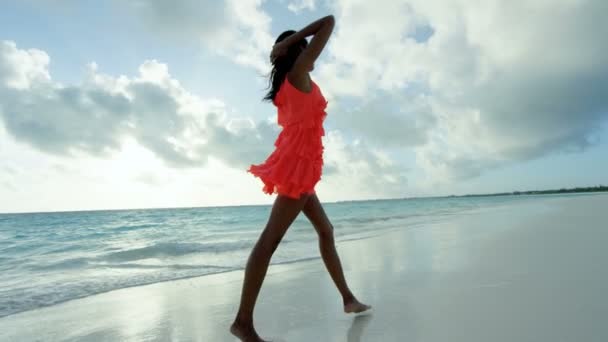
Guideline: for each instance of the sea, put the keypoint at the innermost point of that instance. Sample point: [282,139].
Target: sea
[52,257]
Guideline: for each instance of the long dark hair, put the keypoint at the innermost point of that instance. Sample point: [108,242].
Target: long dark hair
[282,65]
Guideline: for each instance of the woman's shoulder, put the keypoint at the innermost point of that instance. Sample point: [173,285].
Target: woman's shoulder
[302,84]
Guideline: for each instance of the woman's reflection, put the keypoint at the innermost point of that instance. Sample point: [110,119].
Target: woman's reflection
[356,329]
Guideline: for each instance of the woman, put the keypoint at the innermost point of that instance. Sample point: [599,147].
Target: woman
[294,168]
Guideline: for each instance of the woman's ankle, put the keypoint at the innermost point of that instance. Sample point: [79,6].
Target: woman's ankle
[348,298]
[243,321]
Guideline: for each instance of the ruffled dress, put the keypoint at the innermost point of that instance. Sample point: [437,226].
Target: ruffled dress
[296,164]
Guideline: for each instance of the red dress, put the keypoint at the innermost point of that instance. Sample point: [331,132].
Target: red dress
[295,166]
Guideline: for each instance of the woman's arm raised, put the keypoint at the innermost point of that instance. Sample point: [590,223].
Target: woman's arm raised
[320,29]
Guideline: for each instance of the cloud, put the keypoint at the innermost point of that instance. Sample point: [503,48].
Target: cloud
[22,68]
[150,178]
[297,6]
[360,170]
[388,119]
[7,175]
[237,29]
[9,170]
[95,116]
[239,146]
[504,81]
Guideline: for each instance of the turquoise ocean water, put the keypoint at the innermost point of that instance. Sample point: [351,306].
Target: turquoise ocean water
[48,258]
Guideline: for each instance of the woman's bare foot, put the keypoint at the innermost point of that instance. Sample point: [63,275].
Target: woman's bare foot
[245,333]
[354,306]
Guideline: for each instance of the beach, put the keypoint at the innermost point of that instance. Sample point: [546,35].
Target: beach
[523,271]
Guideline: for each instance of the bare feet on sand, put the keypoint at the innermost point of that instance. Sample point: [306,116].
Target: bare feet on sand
[354,306]
[245,333]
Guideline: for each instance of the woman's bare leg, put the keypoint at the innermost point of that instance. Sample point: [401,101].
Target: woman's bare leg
[315,213]
[283,213]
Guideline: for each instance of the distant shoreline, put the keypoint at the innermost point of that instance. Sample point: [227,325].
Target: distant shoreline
[592,189]
[599,188]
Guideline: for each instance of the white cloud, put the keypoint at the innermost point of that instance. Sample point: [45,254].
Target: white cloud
[97,115]
[388,119]
[20,69]
[237,29]
[133,177]
[297,6]
[506,81]
[359,171]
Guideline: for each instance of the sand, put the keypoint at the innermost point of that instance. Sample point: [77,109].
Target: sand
[534,271]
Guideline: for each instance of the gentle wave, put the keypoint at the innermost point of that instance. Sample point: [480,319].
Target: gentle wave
[127,228]
[174,249]
[62,249]
[74,263]
[169,266]
[20,299]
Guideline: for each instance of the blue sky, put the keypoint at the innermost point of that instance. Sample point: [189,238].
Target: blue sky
[425,99]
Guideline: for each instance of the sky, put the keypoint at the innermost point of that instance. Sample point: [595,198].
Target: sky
[147,104]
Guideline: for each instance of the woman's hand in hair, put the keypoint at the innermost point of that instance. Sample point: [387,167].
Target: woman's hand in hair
[279,49]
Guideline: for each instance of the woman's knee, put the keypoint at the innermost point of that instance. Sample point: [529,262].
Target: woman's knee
[268,243]
[326,234]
